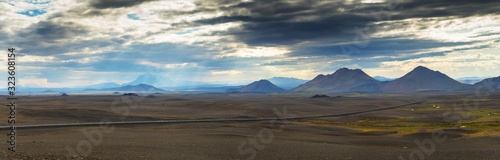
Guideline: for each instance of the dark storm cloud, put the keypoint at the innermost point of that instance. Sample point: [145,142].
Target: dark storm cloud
[104,4]
[441,8]
[379,46]
[54,37]
[49,30]
[274,23]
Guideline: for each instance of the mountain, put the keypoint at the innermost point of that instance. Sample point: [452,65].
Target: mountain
[382,79]
[342,80]
[261,86]
[136,88]
[491,83]
[287,82]
[150,79]
[421,79]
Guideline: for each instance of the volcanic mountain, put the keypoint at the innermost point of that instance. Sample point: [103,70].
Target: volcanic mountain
[139,87]
[261,86]
[421,79]
[489,83]
[150,79]
[342,80]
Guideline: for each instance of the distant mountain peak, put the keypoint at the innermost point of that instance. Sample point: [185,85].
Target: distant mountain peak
[138,87]
[342,80]
[263,86]
[422,67]
[422,78]
[150,79]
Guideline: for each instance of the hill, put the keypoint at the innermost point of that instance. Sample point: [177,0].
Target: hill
[421,79]
[342,80]
[263,86]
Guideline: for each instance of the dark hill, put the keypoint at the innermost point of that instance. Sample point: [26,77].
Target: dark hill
[342,80]
[261,86]
[422,79]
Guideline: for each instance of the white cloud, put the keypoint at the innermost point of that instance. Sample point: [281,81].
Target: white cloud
[227,72]
[443,29]
[248,51]
[477,62]
[169,65]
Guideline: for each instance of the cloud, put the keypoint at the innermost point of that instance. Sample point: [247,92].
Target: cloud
[331,23]
[105,4]
[228,72]
[209,40]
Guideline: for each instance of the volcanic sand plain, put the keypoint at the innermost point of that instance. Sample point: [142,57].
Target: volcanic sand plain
[446,125]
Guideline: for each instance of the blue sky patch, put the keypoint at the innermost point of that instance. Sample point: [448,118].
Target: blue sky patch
[33,13]
[133,17]
[187,31]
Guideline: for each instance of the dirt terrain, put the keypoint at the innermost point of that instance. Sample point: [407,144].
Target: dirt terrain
[442,127]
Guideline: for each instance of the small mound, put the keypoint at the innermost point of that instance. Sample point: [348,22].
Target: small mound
[130,94]
[64,94]
[151,96]
[320,96]
[116,92]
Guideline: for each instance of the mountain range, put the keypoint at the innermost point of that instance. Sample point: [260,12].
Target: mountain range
[355,80]
[342,80]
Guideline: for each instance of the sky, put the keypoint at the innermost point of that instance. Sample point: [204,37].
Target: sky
[81,42]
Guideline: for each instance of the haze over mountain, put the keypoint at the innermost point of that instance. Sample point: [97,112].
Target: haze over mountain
[101,85]
[382,78]
[342,80]
[263,86]
[421,79]
[134,88]
[150,79]
[471,80]
[287,82]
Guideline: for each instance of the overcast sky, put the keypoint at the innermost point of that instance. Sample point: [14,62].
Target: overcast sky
[79,42]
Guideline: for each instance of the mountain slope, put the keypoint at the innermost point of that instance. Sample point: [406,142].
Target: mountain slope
[421,79]
[261,86]
[342,80]
[471,80]
[489,83]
